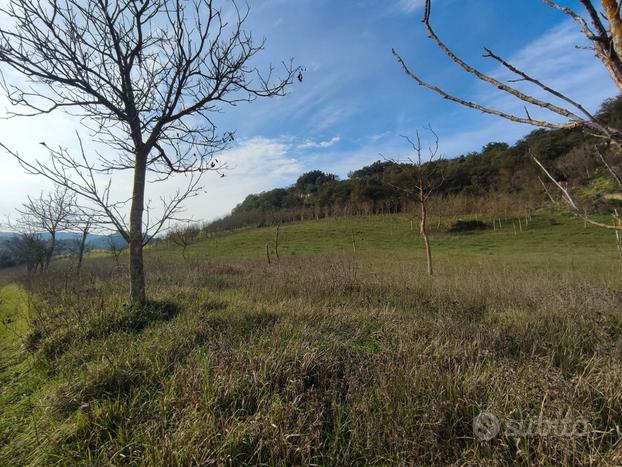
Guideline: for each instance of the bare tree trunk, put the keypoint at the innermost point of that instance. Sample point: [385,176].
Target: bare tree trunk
[276,242]
[424,231]
[268,252]
[50,250]
[618,233]
[85,233]
[137,267]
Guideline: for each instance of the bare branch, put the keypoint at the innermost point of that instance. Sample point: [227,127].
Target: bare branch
[481,108]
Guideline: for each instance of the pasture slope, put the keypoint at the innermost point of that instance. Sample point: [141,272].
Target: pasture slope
[340,352]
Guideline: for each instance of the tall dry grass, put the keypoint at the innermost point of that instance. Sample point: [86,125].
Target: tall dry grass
[324,361]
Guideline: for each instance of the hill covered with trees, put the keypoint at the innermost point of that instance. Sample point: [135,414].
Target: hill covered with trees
[500,177]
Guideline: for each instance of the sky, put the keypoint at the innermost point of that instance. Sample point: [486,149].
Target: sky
[355,101]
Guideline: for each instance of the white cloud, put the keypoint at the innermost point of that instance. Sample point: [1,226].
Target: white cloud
[256,164]
[409,6]
[261,155]
[331,115]
[309,144]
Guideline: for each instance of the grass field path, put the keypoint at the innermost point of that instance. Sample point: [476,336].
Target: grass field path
[20,381]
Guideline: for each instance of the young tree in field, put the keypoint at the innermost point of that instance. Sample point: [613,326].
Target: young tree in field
[419,179]
[183,237]
[603,29]
[48,214]
[146,76]
[114,248]
[83,220]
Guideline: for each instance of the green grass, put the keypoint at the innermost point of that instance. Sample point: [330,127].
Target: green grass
[21,381]
[549,240]
[326,357]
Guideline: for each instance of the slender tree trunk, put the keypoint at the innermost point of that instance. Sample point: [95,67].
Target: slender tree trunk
[424,231]
[618,234]
[276,242]
[50,250]
[137,267]
[85,232]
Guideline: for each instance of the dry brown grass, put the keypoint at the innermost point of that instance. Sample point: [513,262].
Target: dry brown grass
[324,360]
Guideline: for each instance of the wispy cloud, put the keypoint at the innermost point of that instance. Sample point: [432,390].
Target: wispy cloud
[410,6]
[257,164]
[309,144]
[259,156]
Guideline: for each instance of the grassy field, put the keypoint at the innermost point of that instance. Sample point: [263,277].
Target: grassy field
[336,354]
[547,241]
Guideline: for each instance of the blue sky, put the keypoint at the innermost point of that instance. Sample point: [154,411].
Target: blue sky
[355,101]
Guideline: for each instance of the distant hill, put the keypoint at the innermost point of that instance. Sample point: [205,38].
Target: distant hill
[66,242]
[93,241]
[500,176]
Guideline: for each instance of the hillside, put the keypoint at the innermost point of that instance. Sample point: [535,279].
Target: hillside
[500,177]
[334,354]
[547,238]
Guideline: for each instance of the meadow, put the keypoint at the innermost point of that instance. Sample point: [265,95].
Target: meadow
[341,351]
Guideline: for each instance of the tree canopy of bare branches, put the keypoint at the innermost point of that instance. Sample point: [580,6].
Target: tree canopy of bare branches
[28,248]
[48,214]
[146,77]
[603,29]
[184,236]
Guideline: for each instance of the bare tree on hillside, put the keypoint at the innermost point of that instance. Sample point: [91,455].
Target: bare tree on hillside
[184,236]
[114,248]
[146,76]
[83,220]
[420,179]
[603,28]
[48,214]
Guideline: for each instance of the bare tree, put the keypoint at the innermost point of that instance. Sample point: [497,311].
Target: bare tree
[115,248]
[603,29]
[28,248]
[48,214]
[146,76]
[419,180]
[184,236]
[83,220]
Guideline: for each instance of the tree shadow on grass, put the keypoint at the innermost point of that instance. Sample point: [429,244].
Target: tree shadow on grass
[129,319]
